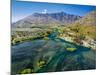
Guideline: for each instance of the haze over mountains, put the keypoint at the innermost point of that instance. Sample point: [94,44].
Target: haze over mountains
[48,18]
[61,18]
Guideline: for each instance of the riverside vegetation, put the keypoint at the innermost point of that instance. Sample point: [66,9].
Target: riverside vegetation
[77,34]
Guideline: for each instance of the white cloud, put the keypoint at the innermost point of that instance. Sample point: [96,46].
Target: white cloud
[44,11]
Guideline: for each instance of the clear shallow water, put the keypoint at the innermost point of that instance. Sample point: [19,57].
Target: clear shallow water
[54,53]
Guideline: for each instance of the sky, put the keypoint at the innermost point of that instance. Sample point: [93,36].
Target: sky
[21,9]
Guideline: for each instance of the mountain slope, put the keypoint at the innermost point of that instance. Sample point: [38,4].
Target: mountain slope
[89,19]
[46,19]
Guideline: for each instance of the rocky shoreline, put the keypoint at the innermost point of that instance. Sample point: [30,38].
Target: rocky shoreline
[90,43]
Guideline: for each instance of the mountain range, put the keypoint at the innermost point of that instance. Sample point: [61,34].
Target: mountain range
[62,18]
[46,19]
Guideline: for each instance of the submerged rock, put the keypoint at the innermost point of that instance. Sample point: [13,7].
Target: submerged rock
[71,49]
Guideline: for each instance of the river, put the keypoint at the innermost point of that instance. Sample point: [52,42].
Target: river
[53,52]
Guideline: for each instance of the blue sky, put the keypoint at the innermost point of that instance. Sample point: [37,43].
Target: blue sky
[21,9]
